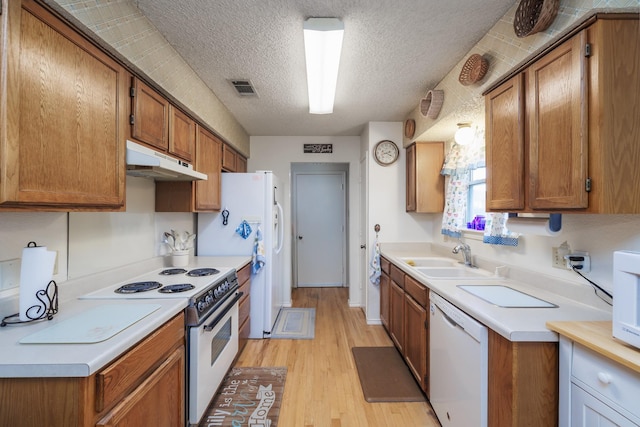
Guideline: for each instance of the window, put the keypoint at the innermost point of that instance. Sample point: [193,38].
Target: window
[476,197]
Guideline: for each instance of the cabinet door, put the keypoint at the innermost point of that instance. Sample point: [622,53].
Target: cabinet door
[588,411]
[150,116]
[241,164]
[505,145]
[411,178]
[396,315]
[208,160]
[429,183]
[384,300]
[557,109]
[158,401]
[415,340]
[228,158]
[63,116]
[182,134]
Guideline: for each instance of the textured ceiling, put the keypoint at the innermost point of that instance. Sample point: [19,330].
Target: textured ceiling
[393,52]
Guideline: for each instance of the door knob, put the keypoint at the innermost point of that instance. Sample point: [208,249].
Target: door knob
[363,246]
[299,237]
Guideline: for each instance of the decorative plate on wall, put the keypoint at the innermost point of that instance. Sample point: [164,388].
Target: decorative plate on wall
[409,128]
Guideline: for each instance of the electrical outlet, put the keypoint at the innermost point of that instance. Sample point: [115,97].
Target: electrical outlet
[557,256]
[579,260]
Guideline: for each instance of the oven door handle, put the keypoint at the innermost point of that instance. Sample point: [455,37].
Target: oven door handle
[218,318]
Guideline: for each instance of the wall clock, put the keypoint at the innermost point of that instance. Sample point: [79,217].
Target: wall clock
[386,152]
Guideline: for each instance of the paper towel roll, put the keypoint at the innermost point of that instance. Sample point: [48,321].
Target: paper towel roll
[531,227]
[36,271]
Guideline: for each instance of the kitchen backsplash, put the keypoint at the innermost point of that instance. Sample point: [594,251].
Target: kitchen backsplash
[91,242]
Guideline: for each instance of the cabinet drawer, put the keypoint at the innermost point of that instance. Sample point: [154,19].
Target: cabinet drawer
[618,385]
[384,264]
[397,275]
[244,274]
[119,378]
[417,290]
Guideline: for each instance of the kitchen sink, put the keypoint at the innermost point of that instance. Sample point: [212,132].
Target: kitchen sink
[505,296]
[429,262]
[452,272]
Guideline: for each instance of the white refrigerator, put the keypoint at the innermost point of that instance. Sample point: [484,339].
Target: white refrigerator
[252,198]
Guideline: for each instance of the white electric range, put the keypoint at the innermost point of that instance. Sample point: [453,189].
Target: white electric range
[211,317]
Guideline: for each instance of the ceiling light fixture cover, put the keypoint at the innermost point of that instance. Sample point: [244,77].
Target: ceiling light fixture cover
[465,134]
[322,46]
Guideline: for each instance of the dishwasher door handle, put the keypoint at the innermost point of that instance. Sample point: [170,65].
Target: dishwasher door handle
[448,319]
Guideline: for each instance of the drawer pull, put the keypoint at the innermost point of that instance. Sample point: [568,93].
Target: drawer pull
[604,378]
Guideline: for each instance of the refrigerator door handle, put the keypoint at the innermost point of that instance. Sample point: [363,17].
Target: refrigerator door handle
[280,228]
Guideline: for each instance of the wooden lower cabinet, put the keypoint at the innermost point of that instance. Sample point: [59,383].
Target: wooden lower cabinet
[385,283]
[523,383]
[396,322]
[144,386]
[244,309]
[158,401]
[416,341]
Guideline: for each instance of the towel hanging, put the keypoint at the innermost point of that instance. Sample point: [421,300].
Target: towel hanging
[258,257]
[374,266]
[244,229]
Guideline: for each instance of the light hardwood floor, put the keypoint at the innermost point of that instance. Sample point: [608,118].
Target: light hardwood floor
[322,388]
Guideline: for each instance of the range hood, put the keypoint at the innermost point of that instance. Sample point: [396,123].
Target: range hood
[145,162]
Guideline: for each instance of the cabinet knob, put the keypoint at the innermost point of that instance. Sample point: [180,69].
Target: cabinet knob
[604,378]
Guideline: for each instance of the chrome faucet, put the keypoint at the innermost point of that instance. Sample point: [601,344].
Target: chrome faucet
[466,253]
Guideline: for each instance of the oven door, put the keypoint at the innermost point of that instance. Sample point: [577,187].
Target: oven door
[212,347]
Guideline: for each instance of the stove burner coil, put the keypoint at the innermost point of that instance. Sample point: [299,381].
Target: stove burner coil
[132,288]
[198,272]
[172,271]
[174,289]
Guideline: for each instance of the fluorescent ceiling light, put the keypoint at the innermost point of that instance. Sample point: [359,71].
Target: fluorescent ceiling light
[322,46]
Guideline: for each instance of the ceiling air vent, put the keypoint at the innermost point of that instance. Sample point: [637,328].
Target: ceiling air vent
[243,87]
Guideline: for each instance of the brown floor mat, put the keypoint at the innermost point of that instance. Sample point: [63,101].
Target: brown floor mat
[384,376]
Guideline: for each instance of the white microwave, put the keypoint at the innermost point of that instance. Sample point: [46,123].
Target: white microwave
[626,297]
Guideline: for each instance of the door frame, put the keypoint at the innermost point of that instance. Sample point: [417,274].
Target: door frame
[319,169]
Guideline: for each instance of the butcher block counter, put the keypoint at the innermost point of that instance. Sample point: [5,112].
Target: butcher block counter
[597,337]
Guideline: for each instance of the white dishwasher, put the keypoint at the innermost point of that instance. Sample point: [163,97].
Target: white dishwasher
[458,365]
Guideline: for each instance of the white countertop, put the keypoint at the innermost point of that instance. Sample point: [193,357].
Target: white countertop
[515,324]
[81,360]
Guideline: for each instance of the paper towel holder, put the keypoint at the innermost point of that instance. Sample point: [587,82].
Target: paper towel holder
[48,297]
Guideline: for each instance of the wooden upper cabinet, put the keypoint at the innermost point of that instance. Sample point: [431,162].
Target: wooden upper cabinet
[209,161]
[195,196]
[580,148]
[558,137]
[63,116]
[504,109]
[182,135]
[425,184]
[232,161]
[150,116]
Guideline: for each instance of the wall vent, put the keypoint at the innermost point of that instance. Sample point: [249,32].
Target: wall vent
[243,87]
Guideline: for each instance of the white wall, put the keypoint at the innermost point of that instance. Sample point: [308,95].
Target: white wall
[600,235]
[276,153]
[91,242]
[387,204]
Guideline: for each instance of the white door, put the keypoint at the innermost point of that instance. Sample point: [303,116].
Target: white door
[320,229]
